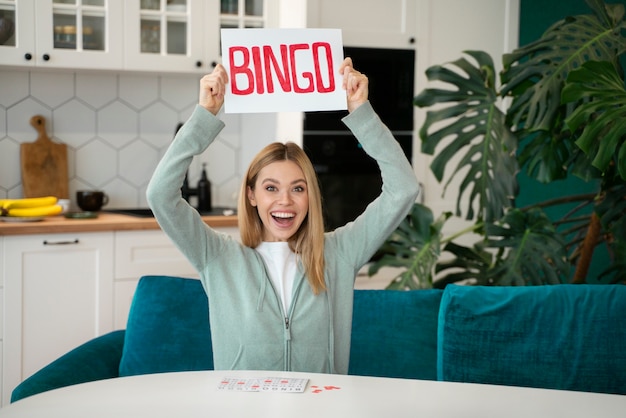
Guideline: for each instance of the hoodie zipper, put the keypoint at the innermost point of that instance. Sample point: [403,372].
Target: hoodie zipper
[287,324]
[287,333]
[287,336]
[287,340]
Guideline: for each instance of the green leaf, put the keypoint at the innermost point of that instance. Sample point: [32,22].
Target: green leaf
[534,252]
[413,246]
[474,133]
[546,156]
[601,113]
[469,264]
[535,74]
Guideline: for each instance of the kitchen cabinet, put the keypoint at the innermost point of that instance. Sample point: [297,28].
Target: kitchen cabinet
[183,35]
[172,36]
[380,24]
[178,36]
[58,293]
[62,33]
[60,290]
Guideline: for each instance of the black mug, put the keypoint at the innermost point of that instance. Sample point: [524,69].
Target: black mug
[91,200]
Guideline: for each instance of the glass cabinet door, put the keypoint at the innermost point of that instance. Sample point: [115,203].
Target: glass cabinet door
[7,24]
[243,13]
[17,37]
[164,27]
[170,35]
[79,33]
[79,25]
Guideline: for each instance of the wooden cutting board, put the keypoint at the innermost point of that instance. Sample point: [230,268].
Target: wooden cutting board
[44,164]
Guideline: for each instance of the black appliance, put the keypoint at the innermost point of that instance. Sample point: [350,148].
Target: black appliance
[349,178]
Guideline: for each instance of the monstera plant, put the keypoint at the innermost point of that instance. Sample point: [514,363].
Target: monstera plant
[557,109]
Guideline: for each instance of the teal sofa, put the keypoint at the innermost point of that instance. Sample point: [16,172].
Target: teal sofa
[569,337]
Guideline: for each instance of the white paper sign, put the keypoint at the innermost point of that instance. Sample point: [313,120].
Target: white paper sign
[283,70]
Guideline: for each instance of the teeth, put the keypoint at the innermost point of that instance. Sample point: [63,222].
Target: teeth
[283,215]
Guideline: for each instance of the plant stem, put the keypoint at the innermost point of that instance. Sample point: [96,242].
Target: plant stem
[463,232]
[589,244]
[561,200]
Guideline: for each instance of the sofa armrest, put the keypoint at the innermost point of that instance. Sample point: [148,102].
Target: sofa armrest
[96,359]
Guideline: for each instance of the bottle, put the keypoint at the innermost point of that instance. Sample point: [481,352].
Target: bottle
[204,191]
[185,191]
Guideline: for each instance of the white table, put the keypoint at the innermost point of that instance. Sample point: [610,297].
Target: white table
[196,394]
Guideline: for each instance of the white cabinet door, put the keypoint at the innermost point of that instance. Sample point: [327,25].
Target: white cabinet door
[18,49]
[141,253]
[63,34]
[367,23]
[58,294]
[181,37]
[85,34]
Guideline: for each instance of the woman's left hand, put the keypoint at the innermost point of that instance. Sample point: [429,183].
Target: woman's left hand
[355,84]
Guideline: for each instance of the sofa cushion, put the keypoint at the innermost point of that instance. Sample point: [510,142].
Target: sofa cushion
[561,337]
[168,328]
[394,333]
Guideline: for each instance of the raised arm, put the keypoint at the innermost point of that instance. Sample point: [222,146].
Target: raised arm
[360,239]
[181,222]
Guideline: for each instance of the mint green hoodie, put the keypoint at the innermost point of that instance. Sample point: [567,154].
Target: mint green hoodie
[248,326]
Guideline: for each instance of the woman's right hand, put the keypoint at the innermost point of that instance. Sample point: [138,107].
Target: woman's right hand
[213,88]
[355,84]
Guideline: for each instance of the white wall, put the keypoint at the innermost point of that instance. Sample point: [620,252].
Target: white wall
[446,28]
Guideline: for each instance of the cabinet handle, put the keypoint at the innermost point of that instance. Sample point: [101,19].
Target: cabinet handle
[411,40]
[28,56]
[198,64]
[46,242]
[46,57]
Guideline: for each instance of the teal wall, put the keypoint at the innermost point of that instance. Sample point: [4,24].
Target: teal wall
[535,17]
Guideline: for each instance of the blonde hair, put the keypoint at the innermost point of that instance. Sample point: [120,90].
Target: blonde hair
[308,241]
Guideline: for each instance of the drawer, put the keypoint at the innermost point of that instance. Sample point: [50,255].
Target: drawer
[141,253]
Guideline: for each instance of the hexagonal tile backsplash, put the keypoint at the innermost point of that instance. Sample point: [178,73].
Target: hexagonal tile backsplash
[117,126]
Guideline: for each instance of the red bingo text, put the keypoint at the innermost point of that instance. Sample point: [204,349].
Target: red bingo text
[258,67]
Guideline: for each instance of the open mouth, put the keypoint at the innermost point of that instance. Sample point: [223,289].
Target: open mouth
[283,218]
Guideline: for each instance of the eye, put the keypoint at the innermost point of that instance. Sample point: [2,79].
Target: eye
[298,189]
[270,188]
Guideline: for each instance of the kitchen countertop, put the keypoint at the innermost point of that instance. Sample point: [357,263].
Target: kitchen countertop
[104,222]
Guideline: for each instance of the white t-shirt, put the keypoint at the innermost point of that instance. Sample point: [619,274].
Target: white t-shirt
[281,264]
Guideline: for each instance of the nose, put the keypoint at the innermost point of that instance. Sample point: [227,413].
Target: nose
[285,198]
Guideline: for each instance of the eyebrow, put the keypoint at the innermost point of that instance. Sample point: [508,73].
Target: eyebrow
[272,180]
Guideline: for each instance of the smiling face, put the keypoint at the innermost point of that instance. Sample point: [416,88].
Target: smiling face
[281,198]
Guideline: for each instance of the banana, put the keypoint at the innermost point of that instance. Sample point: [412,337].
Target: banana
[33,211]
[32,202]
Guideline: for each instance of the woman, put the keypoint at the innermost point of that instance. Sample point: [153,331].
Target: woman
[281,299]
